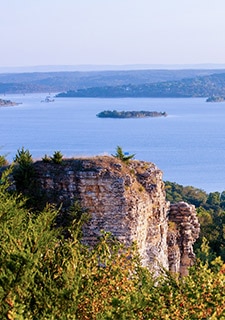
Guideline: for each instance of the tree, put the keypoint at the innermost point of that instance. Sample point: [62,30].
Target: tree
[23,172]
[213,199]
[122,156]
[23,157]
[57,157]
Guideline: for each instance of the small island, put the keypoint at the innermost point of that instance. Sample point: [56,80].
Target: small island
[130,114]
[7,103]
[215,99]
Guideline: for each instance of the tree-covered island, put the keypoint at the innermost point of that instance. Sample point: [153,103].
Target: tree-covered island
[130,114]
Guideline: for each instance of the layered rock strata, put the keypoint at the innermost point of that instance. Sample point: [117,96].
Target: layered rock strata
[128,201]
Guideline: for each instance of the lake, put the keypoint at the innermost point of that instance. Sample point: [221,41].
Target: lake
[188,145]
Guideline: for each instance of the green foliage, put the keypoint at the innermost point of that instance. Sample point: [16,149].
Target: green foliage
[208,229]
[121,156]
[23,172]
[213,229]
[46,159]
[176,192]
[205,253]
[46,276]
[211,214]
[57,157]
[23,157]
[3,161]
[37,266]
[214,199]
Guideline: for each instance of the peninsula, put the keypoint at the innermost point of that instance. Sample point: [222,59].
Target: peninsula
[130,114]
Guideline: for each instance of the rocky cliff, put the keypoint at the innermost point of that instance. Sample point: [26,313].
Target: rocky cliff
[128,201]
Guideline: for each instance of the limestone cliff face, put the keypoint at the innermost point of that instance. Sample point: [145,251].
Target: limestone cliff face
[128,201]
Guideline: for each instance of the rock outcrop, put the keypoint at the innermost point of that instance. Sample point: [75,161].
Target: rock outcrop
[128,201]
[183,232]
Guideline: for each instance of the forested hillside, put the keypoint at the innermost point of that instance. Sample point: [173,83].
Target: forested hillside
[65,81]
[192,87]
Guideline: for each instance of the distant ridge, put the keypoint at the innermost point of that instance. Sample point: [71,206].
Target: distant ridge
[145,82]
[92,67]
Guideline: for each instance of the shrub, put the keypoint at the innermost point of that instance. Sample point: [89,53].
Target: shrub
[46,159]
[57,157]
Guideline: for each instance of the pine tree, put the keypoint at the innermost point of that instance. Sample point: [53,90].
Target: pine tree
[120,155]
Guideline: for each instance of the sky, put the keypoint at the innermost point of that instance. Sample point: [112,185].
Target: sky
[111,32]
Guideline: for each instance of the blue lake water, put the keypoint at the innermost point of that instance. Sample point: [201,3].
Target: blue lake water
[188,145]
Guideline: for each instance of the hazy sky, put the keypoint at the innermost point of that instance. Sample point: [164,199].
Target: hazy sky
[73,32]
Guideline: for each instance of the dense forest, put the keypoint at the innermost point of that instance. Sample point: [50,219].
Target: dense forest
[47,273]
